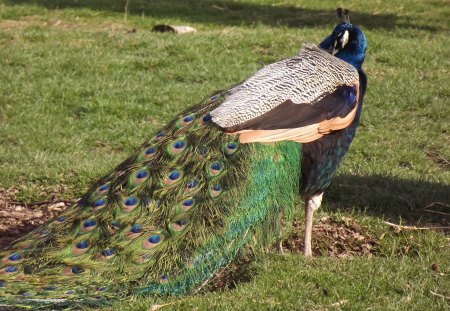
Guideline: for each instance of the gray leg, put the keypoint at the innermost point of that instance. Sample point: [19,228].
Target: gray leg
[311,204]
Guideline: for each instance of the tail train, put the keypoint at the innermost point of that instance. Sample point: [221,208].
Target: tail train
[182,206]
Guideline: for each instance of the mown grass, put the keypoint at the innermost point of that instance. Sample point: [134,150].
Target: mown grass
[79,90]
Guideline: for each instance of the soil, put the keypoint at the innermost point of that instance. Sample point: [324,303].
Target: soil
[17,219]
[334,238]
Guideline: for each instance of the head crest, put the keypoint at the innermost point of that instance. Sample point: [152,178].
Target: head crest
[343,15]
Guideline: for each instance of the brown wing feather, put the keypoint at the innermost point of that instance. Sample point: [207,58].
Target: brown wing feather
[302,123]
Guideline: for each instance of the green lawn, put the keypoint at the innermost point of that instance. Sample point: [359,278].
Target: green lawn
[82,84]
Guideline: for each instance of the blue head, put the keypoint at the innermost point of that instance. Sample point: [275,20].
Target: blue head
[347,41]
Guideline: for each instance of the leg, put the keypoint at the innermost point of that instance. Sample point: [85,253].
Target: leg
[311,204]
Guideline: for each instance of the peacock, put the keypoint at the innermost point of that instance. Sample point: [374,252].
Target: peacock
[221,177]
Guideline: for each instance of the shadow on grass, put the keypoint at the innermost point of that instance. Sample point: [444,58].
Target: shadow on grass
[230,13]
[411,202]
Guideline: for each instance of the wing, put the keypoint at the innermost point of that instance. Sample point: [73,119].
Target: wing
[299,99]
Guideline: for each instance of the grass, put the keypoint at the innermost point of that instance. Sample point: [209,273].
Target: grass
[80,90]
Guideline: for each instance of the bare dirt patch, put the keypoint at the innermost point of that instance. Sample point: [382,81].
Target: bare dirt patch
[334,238]
[18,219]
[438,159]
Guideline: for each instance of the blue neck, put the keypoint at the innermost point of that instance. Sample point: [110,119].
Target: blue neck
[355,59]
[326,43]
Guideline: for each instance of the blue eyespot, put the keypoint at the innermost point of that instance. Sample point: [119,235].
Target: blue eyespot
[61,218]
[131,201]
[179,144]
[207,118]
[193,183]
[160,134]
[188,202]
[154,239]
[174,175]
[108,252]
[142,174]
[99,203]
[216,166]
[182,222]
[150,151]
[232,146]
[136,228]
[12,269]
[103,188]
[89,223]
[15,257]
[217,188]
[83,244]
[77,270]
[188,118]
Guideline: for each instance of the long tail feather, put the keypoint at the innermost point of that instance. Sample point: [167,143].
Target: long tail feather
[182,206]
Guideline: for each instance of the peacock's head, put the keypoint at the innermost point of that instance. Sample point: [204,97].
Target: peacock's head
[347,41]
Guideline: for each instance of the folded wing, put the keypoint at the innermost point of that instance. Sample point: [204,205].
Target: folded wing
[299,99]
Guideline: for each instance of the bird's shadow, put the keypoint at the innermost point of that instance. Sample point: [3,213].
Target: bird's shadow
[231,13]
[397,200]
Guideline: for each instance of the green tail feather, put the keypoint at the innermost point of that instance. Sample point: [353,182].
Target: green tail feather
[162,222]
